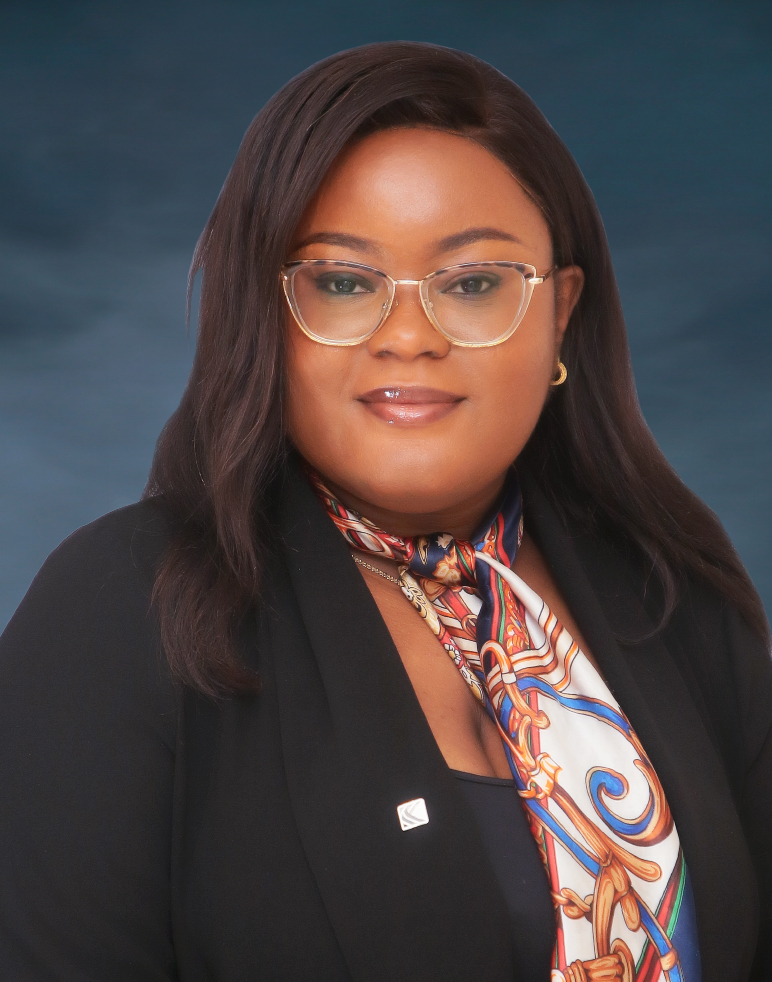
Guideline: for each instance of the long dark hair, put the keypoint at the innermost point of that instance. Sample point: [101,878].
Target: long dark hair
[219,453]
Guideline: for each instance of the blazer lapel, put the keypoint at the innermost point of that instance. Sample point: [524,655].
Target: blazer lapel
[647,684]
[420,904]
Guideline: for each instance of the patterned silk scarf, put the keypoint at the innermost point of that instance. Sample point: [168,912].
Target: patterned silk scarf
[618,879]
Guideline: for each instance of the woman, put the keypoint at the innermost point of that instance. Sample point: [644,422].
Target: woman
[347,695]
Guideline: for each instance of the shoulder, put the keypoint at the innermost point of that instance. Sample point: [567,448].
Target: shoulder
[105,568]
[729,662]
[725,665]
[86,629]
[124,545]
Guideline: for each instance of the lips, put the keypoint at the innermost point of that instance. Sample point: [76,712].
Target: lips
[409,405]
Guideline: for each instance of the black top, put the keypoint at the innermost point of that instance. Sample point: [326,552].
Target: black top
[513,854]
[149,835]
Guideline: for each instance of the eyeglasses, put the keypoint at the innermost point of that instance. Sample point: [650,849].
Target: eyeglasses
[474,305]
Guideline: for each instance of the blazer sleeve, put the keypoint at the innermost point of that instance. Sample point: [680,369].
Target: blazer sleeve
[87,741]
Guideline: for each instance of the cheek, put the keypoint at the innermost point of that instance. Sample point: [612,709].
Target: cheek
[511,386]
[316,385]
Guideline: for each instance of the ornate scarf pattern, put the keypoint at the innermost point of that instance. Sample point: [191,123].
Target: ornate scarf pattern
[595,806]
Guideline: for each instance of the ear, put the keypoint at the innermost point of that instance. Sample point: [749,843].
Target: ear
[569,281]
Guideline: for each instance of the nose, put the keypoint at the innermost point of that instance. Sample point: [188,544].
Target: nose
[407,333]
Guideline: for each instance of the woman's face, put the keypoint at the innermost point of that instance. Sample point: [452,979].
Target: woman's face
[408,202]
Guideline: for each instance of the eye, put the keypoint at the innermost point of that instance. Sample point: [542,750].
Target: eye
[474,284]
[343,284]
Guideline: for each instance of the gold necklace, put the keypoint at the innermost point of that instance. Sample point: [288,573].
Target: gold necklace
[374,569]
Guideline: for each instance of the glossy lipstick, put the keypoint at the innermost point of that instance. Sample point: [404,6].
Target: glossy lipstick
[410,404]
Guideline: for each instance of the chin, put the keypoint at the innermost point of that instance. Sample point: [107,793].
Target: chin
[407,477]
[410,500]
[409,487]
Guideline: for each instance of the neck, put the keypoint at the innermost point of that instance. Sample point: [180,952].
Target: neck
[461,519]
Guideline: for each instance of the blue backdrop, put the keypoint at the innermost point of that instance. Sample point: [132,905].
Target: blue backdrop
[120,120]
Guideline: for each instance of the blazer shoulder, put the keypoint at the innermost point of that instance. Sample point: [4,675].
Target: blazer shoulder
[731,659]
[127,542]
[725,665]
[86,624]
[100,578]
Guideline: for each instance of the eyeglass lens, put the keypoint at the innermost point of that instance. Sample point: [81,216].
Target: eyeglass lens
[472,304]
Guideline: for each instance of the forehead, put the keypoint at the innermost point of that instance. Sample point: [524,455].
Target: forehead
[405,190]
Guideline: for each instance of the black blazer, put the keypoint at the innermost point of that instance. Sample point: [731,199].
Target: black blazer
[148,834]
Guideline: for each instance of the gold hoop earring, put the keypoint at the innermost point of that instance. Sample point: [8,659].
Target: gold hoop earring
[561,376]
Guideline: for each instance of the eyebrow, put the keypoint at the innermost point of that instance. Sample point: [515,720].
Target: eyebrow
[448,244]
[340,239]
[470,235]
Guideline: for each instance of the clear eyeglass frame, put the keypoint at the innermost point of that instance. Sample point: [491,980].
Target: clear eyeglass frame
[531,279]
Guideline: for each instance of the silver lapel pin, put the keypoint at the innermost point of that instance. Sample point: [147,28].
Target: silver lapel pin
[412,813]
